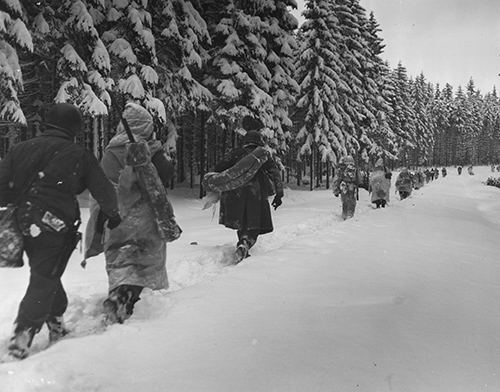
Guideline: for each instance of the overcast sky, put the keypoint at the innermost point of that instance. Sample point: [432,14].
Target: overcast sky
[449,40]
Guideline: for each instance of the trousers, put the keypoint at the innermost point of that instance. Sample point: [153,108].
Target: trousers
[48,255]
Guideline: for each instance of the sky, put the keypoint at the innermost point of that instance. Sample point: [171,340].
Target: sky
[450,41]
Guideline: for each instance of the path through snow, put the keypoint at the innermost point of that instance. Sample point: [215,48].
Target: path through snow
[399,299]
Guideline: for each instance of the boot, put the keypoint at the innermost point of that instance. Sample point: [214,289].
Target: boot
[119,305]
[20,342]
[57,330]
[242,251]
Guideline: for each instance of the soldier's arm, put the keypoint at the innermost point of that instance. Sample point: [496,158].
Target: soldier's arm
[164,167]
[273,171]
[101,189]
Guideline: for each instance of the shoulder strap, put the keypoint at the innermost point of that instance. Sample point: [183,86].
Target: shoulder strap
[128,130]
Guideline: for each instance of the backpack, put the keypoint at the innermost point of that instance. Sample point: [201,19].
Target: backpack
[349,174]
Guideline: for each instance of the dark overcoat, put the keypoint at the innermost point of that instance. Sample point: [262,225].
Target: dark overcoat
[68,169]
[248,207]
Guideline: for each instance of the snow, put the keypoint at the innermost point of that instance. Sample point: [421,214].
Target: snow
[4,21]
[23,37]
[122,48]
[402,298]
[40,24]
[132,85]
[69,53]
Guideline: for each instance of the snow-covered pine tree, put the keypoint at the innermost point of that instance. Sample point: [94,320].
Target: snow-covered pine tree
[440,112]
[475,103]
[237,73]
[84,64]
[127,33]
[182,50]
[460,119]
[277,34]
[421,101]
[383,136]
[14,35]
[403,116]
[318,71]
[488,129]
[182,42]
[360,99]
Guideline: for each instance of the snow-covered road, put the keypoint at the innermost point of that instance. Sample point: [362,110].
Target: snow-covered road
[398,299]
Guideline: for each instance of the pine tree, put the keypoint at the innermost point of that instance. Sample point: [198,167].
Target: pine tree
[236,73]
[277,32]
[403,116]
[14,35]
[84,65]
[382,135]
[421,100]
[318,74]
[359,100]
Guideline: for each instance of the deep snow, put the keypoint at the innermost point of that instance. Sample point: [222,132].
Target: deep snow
[397,299]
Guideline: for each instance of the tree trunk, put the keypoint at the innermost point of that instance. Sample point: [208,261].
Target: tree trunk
[203,151]
[327,175]
[311,171]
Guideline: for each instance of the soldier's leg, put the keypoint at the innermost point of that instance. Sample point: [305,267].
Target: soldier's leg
[48,254]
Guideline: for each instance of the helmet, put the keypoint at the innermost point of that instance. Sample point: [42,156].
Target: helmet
[65,117]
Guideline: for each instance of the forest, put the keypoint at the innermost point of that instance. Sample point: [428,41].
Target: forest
[322,89]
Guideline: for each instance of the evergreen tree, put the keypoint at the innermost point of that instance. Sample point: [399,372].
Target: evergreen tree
[318,73]
[382,135]
[84,64]
[13,35]
[236,73]
[403,116]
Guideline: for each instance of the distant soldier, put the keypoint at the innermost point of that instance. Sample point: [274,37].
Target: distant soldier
[404,184]
[419,179]
[380,184]
[459,170]
[444,172]
[470,170]
[345,184]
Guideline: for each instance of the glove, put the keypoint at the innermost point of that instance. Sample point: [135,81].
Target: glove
[114,221]
[276,202]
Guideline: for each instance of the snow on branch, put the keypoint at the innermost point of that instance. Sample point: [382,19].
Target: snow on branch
[132,86]
[121,48]
[18,30]
[70,55]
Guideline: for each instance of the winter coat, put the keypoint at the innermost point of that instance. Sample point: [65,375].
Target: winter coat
[419,180]
[71,170]
[341,176]
[135,252]
[379,185]
[247,207]
[404,182]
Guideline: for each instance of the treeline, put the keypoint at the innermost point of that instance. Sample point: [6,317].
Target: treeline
[321,91]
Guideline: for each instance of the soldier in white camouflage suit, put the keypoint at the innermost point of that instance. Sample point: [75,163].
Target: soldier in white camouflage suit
[345,184]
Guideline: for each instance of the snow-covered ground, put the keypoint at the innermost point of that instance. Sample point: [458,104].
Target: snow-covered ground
[397,299]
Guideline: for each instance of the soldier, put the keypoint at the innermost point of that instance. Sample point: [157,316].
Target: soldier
[345,184]
[404,184]
[246,209]
[42,176]
[380,184]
